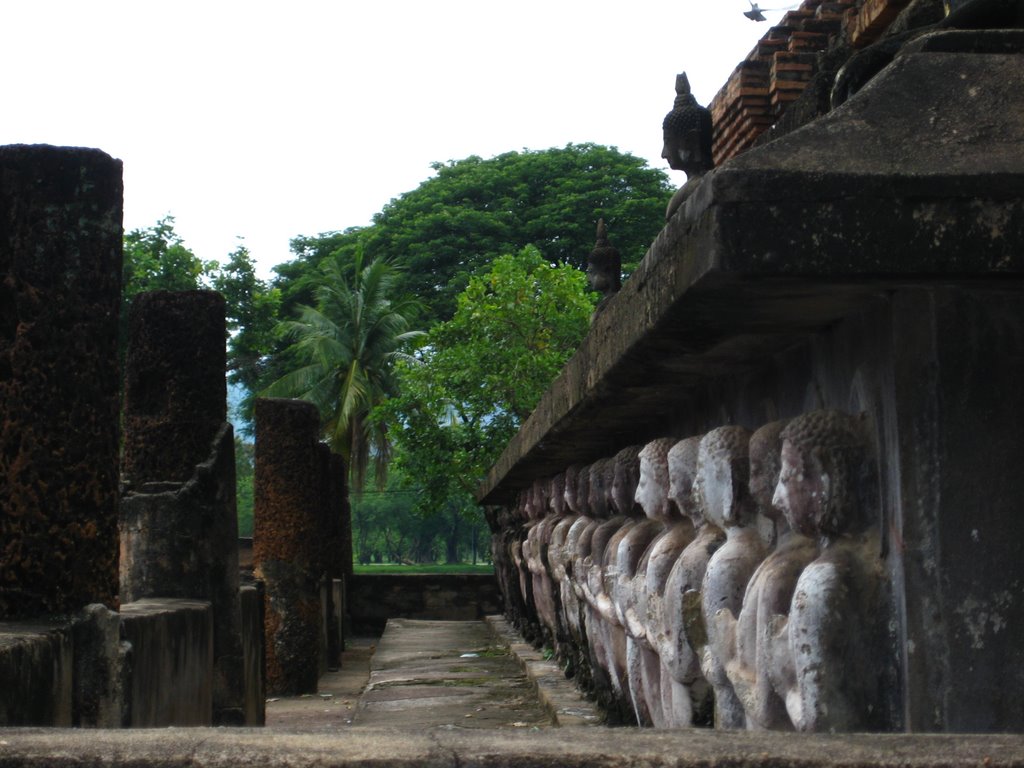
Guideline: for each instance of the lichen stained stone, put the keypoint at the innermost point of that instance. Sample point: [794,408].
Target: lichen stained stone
[60,286]
[175,397]
[286,540]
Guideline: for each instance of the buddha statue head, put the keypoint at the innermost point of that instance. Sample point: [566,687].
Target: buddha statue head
[625,477]
[723,471]
[652,492]
[824,468]
[570,480]
[583,490]
[540,498]
[604,265]
[602,474]
[687,133]
[682,477]
[556,494]
[765,464]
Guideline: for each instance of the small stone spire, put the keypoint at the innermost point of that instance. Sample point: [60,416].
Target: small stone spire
[604,266]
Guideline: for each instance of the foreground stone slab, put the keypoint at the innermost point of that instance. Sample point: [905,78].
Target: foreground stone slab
[587,748]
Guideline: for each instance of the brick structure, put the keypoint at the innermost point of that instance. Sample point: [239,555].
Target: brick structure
[286,540]
[60,287]
[179,525]
[776,72]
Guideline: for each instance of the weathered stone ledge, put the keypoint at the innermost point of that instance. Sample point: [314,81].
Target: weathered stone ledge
[582,748]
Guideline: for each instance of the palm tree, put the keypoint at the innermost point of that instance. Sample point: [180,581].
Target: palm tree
[346,347]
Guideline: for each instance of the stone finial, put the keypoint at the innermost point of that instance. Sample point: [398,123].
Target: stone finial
[604,265]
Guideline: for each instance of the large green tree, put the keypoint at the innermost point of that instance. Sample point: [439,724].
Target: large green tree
[482,372]
[346,348]
[473,210]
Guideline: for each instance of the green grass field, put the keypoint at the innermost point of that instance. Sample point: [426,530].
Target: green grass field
[391,568]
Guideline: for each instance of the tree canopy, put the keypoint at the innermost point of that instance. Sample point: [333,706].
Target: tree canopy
[473,210]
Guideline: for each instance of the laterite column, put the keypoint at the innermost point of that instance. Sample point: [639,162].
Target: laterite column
[287,548]
[60,289]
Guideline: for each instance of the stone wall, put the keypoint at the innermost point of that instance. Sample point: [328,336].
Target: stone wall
[447,597]
[818,280]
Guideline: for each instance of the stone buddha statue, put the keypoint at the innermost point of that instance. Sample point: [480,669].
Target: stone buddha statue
[769,593]
[604,267]
[644,615]
[685,693]
[687,133]
[835,665]
[621,567]
[724,475]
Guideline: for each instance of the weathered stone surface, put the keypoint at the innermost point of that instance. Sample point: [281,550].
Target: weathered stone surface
[172,662]
[287,549]
[102,669]
[553,748]
[175,394]
[251,600]
[60,285]
[36,663]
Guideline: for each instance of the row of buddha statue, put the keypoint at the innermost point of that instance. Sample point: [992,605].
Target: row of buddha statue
[731,578]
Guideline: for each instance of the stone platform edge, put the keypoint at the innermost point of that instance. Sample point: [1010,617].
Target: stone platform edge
[559,696]
[574,748]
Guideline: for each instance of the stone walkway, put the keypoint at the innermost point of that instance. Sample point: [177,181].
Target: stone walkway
[423,675]
[447,674]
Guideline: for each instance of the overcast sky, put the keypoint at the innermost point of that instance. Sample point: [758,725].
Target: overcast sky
[268,121]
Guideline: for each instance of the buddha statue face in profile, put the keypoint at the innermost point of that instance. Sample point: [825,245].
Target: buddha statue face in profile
[765,465]
[556,494]
[823,456]
[625,479]
[652,492]
[687,133]
[682,475]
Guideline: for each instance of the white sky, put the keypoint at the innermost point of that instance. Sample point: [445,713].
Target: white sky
[268,121]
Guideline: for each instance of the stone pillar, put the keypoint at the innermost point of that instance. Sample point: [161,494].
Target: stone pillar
[179,525]
[340,474]
[286,545]
[334,552]
[60,287]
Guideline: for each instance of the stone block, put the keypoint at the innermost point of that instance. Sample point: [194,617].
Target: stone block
[36,663]
[251,599]
[172,662]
